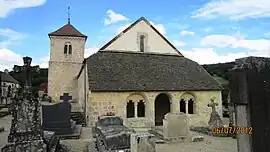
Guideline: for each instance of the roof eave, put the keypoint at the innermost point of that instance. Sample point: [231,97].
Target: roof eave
[132,90]
[84,36]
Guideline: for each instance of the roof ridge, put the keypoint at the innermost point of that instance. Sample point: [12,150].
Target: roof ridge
[143,53]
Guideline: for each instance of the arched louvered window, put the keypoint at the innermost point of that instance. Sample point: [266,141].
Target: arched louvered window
[68,48]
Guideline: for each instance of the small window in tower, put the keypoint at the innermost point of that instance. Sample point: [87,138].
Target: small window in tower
[69,49]
[142,41]
[65,49]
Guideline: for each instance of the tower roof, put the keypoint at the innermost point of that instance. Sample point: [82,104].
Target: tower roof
[67,30]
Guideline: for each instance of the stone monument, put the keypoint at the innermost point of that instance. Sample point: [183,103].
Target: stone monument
[142,142]
[176,127]
[215,120]
[25,132]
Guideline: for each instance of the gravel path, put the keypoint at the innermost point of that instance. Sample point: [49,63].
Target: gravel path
[6,122]
[210,144]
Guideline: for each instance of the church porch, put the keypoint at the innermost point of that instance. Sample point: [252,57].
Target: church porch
[143,110]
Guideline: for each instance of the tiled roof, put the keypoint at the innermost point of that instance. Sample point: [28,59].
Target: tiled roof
[126,71]
[8,78]
[67,30]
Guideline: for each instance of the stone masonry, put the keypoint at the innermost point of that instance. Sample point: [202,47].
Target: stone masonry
[103,102]
[63,68]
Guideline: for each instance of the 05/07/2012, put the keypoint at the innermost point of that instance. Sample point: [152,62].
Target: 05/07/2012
[232,130]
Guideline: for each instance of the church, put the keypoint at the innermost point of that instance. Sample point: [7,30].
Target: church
[138,75]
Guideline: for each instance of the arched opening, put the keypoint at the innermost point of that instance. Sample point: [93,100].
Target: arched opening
[141,109]
[162,107]
[70,49]
[66,49]
[130,109]
[190,106]
[183,106]
[191,102]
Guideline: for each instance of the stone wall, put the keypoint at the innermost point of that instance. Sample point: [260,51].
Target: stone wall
[154,43]
[62,79]
[100,103]
[63,68]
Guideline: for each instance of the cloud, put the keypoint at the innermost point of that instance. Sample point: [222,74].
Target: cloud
[7,6]
[8,59]
[10,37]
[159,27]
[267,34]
[234,9]
[222,41]
[210,55]
[186,33]
[209,29]
[114,17]
[122,28]
[89,51]
[178,43]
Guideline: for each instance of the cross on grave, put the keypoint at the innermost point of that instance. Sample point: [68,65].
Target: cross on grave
[213,105]
[66,97]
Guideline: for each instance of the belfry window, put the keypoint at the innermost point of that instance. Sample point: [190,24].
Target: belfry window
[65,49]
[68,48]
[142,43]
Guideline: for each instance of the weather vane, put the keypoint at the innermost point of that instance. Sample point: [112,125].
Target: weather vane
[69,14]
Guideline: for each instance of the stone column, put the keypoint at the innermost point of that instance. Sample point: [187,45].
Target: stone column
[174,106]
[135,109]
[186,101]
[150,108]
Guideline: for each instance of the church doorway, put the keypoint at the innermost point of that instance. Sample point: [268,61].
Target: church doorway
[162,107]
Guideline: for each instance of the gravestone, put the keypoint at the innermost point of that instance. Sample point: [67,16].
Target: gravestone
[215,120]
[57,117]
[142,142]
[176,127]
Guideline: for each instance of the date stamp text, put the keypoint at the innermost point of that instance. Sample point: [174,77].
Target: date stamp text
[232,130]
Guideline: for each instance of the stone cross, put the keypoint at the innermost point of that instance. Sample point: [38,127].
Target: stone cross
[213,105]
[215,120]
[66,97]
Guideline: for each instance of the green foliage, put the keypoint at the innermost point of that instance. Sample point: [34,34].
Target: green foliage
[37,78]
[220,69]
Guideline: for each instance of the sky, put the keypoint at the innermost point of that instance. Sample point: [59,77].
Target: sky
[206,31]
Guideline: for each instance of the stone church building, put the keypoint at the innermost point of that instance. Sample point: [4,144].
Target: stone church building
[138,75]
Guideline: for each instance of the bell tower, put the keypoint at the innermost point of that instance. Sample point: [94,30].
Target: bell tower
[67,46]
